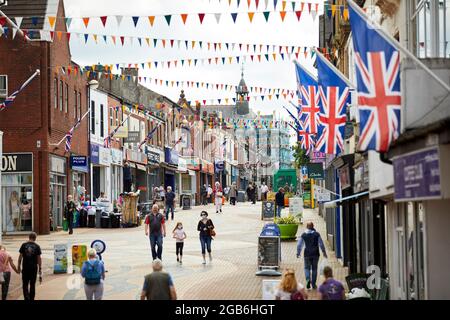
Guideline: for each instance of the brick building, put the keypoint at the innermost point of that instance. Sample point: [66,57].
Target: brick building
[40,176]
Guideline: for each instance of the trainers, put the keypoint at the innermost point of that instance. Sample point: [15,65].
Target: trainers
[220,210]
[210,257]
[204,261]
[308,285]
[217,211]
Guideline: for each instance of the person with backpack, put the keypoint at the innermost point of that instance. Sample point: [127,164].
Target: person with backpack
[93,272]
[289,288]
[155,228]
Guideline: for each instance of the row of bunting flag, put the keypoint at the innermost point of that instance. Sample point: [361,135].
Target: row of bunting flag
[323,101]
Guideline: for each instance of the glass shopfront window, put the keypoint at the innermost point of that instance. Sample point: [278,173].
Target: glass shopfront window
[58,190]
[17,206]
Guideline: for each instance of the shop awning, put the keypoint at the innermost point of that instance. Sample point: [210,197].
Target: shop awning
[330,204]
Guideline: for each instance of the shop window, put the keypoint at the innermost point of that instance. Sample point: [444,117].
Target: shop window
[17,204]
[55,93]
[75,107]
[61,95]
[66,105]
[102,121]
[79,105]
[93,117]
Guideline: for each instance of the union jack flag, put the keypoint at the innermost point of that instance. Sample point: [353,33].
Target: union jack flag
[335,95]
[378,78]
[69,136]
[310,99]
[306,140]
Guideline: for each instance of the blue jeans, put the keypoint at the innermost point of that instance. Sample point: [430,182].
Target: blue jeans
[279,208]
[171,208]
[156,240]
[311,267]
[205,241]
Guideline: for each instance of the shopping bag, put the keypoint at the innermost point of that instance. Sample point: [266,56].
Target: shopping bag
[322,265]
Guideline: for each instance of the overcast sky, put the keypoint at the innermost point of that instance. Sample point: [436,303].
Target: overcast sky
[279,74]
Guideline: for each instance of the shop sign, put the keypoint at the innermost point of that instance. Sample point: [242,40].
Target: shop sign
[344,177]
[210,168]
[133,137]
[153,155]
[20,162]
[95,154]
[315,171]
[182,164]
[318,157]
[116,157]
[136,156]
[219,164]
[122,132]
[79,163]
[104,156]
[417,176]
[171,156]
[57,164]
[193,163]
[321,194]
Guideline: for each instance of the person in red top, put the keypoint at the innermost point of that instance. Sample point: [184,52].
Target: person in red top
[218,194]
[155,228]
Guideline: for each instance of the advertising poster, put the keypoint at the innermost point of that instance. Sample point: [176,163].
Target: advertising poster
[269,289]
[79,256]
[60,258]
[295,206]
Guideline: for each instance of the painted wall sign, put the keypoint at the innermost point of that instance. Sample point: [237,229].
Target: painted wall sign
[12,162]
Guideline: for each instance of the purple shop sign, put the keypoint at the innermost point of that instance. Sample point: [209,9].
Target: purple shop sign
[318,157]
[417,176]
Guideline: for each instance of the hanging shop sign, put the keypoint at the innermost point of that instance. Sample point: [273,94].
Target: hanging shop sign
[318,157]
[133,137]
[17,162]
[136,156]
[171,156]
[417,176]
[193,163]
[122,132]
[219,165]
[95,150]
[321,194]
[79,163]
[182,165]
[315,171]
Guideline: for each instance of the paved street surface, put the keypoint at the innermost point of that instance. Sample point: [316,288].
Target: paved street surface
[231,275]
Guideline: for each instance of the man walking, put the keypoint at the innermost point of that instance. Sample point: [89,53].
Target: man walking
[264,191]
[69,211]
[203,194]
[155,228]
[233,194]
[30,264]
[170,202]
[158,285]
[312,240]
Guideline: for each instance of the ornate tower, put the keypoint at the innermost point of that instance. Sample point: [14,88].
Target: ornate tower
[242,105]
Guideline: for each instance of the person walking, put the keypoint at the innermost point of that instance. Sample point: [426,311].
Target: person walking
[93,272]
[158,285]
[289,288]
[155,228]
[170,202]
[179,235]
[279,201]
[233,194]
[206,228]
[209,194]
[264,191]
[30,265]
[312,240]
[331,289]
[251,193]
[69,211]
[6,264]
[218,195]
[162,193]
[203,195]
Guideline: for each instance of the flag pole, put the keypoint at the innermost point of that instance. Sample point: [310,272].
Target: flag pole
[23,86]
[399,46]
[57,144]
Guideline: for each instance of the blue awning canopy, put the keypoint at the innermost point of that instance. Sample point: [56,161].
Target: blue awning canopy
[347,198]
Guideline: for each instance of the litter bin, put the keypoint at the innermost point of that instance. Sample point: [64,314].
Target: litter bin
[105,222]
[98,218]
[83,218]
[115,220]
[241,196]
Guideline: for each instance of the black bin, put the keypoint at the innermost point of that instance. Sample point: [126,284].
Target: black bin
[83,218]
[105,222]
[91,221]
[115,220]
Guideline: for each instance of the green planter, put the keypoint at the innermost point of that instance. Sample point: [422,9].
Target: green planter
[288,231]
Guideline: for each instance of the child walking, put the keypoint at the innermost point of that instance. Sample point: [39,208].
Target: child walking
[179,235]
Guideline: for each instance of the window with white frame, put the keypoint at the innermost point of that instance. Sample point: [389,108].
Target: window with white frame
[3,86]
[432,23]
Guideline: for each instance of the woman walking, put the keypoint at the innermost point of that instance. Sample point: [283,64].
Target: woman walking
[289,288]
[179,235]
[218,195]
[206,229]
[6,263]
[233,194]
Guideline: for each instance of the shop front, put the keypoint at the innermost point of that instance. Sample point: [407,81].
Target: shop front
[187,179]
[17,192]
[79,168]
[138,163]
[58,190]
[193,165]
[101,172]
[116,173]
[170,168]
[155,178]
